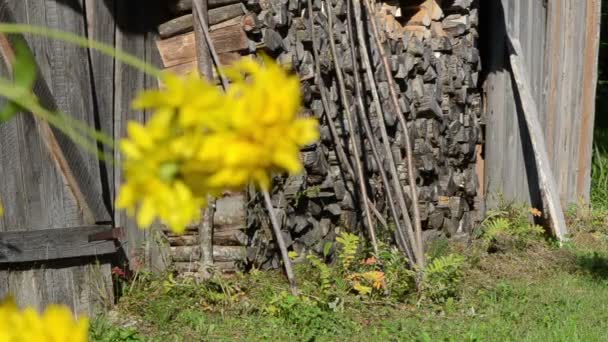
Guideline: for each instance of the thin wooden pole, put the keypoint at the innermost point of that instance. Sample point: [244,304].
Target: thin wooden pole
[277,234]
[400,234]
[383,130]
[408,146]
[344,160]
[351,126]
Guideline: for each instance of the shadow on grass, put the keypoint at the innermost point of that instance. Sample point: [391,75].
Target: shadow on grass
[595,265]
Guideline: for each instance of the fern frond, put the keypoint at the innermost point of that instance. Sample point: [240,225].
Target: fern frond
[349,244]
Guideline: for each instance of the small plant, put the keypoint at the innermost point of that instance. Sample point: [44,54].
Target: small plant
[304,315]
[101,330]
[442,278]
[399,278]
[510,226]
[349,244]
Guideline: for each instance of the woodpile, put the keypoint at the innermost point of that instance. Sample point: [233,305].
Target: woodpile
[434,61]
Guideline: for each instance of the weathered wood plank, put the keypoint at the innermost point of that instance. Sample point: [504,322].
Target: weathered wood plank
[220,253]
[590,70]
[186,5]
[50,244]
[101,27]
[548,186]
[181,49]
[185,23]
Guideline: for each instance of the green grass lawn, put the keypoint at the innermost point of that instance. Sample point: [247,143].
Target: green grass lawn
[539,293]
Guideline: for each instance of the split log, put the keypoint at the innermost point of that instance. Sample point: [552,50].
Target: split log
[220,253]
[179,6]
[191,268]
[230,213]
[185,23]
[232,237]
[183,240]
[181,49]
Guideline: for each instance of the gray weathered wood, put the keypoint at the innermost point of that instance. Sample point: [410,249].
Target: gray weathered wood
[179,6]
[50,244]
[185,23]
[548,186]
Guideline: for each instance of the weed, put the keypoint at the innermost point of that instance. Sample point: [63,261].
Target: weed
[599,174]
[510,226]
[101,330]
[442,278]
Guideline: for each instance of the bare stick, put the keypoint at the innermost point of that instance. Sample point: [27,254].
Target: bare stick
[351,126]
[383,131]
[403,124]
[344,160]
[202,19]
[400,233]
[279,236]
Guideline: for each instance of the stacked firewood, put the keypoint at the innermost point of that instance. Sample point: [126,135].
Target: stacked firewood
[434,61]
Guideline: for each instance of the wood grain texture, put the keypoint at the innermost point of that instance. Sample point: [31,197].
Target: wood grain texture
[182,48]
[50,244]
[180,6]
[43,197]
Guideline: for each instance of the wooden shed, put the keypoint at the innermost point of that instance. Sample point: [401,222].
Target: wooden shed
[60,234]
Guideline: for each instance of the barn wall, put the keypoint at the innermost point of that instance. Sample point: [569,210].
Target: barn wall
[96,90]
[559,40]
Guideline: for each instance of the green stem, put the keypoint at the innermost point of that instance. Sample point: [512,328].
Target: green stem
[25,99]
[75,39]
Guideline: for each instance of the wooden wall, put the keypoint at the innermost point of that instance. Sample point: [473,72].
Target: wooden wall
[96,90]
[560,41]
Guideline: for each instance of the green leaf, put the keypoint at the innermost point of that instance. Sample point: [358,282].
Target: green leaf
[10,110]
[24,76]
[24,66]
[327,249]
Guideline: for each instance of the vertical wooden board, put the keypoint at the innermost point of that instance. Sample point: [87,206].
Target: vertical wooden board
[101,27]
[590,58]
[59,284]
[73,93]
[127,82]
[578,10]
[496,97]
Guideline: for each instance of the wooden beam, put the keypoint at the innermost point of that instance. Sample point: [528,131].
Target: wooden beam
[185,23]
[52,244]
[182,48]
[547,182]
[180,6]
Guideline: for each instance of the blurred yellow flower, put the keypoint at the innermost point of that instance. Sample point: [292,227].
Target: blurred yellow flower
[201,142]
[1,209]
[56,324]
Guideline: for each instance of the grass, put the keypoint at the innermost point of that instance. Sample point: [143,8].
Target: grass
[599,173]
[539,292]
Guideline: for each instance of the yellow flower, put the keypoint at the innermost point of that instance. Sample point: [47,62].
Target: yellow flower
[153,187]
[201,142]
[56,324]
[1,209]
[265,133]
